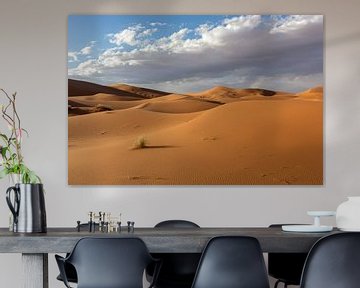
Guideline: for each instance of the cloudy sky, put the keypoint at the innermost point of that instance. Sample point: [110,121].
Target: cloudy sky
[192,53]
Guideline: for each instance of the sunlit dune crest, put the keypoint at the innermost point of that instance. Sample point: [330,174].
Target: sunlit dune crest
[235,92]
[227,94]
[223,136]
[140,91]
[315,93]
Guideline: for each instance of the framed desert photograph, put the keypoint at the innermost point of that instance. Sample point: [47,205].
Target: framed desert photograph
[195,100]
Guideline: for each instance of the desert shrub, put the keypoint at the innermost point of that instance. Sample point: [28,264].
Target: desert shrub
[140,143]
[101,108]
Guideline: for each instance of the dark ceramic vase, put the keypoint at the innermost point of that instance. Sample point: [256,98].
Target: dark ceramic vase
[27,207]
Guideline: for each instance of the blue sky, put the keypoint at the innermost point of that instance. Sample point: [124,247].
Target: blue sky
[196,52]
[86,28]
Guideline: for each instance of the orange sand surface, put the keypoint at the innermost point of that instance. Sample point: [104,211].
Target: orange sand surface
[220,136]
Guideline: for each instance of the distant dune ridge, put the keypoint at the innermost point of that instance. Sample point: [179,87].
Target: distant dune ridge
[235,92]
[221,136]
[142,92]
[83,88]
[226,94]
[315,93]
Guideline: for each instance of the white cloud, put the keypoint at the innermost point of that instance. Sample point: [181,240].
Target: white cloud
[173,43]
[86,51]
[295,22]
[230,28]
[239,51]
[148,32]
[153,24]
[73,56]
[87,68]
[133,35]
[242,22]
[209,36]
[126,36]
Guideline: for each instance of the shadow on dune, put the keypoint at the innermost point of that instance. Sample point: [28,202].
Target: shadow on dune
[83,88]
[160,146]
[157,147]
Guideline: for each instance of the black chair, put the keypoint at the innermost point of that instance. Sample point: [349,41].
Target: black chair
[108,263]
[232,262]
[286,267]
[69,269]
[176,224]
[333,262]
[178,269]
[70,273]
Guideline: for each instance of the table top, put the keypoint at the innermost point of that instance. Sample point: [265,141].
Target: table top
[158,240]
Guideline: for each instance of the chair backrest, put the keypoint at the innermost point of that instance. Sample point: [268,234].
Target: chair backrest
[110,262]
[177,268]
[333,262]
[176,224]
[232,262]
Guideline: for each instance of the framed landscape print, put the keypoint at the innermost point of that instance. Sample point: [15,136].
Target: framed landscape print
[195,100]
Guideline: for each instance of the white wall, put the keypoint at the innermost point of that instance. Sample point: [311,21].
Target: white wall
[33,57]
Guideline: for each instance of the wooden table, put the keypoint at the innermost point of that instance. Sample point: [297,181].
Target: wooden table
[35,247]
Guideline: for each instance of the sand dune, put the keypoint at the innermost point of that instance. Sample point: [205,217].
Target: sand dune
[105,97]
[173,103]
[183,104]
[140,91]
[193,140]
[226,94]
[312,94]
[133,122]
[235,93]
[82,88]
[114,104]
[75,103]
[129,97]
[76,111]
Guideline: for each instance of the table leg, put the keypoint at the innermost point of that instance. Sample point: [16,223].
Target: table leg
[35,270]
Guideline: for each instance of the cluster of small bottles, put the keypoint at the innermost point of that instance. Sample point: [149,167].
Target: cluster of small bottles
[105,222]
